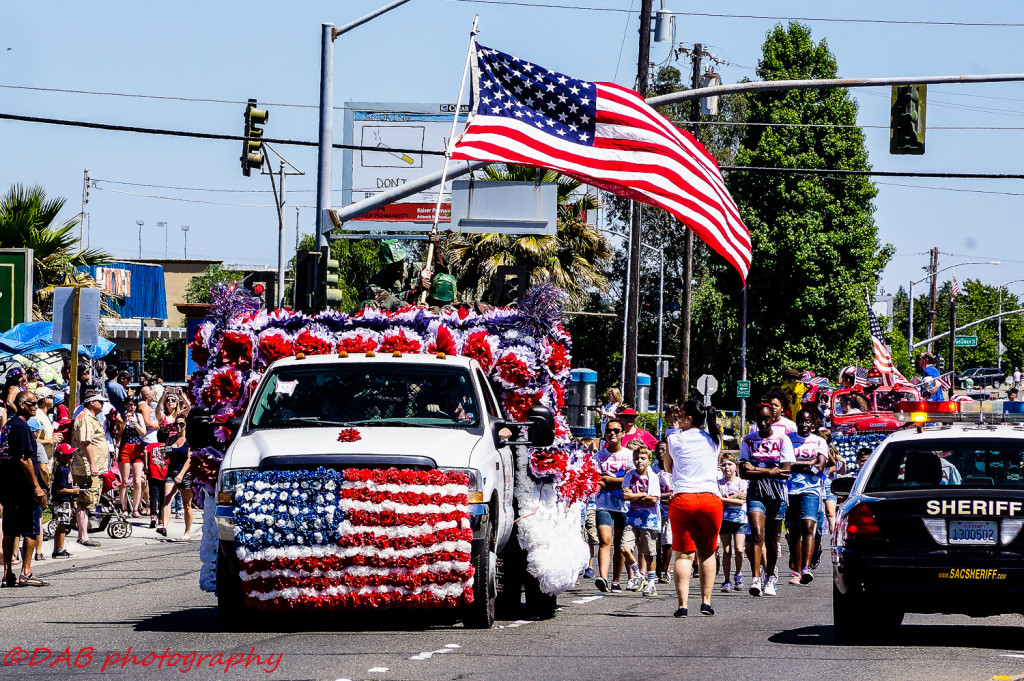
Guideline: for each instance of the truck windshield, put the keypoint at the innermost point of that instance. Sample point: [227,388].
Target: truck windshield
[368,394]
[962,462]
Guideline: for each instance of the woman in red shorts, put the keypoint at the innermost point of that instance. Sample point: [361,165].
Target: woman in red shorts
[695,511]
[133,454]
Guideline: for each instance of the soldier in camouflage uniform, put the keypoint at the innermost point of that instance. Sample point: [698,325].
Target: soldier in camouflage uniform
[398,283]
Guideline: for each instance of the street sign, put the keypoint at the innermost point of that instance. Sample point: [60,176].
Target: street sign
[88,319]
[706,386]
[1002,349]
[742,388]
[965,341]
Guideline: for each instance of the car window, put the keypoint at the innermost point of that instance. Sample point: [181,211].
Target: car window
[366,395]
[963,462]
[489,400]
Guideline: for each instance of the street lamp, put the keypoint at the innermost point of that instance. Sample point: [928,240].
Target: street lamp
[184,229]
[140,223]
[999,342]
[164,225]
[910,315]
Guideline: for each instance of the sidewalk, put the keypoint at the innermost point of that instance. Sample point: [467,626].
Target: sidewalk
[141,536]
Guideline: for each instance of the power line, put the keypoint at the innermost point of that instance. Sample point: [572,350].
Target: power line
[197,135]
[846,125]
[878,173]
[950,189]
[755,16]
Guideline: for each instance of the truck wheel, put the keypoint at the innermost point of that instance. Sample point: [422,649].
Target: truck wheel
[231,608]
[538,603]
[858,619]
[480,615]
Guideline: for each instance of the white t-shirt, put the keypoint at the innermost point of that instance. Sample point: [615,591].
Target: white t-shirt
[768,452]
[781,427]
[694,462]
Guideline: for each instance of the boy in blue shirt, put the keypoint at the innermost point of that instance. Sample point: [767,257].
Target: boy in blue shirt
[641,487]
[64,494]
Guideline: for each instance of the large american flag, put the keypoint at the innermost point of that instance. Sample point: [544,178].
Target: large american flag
[359,539]
[882,358]
[604,135]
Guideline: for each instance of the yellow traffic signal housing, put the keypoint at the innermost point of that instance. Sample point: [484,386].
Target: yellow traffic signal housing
[252,146]
[906,119]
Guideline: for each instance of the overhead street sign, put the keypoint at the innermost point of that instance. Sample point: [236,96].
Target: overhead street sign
[965,341]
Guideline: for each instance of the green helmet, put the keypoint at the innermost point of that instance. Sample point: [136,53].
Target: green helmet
[442,288]
[392,251]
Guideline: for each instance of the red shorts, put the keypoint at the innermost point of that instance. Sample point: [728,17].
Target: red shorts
[696,520]
[130,453]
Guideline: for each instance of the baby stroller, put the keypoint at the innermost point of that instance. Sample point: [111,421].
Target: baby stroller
[108,515]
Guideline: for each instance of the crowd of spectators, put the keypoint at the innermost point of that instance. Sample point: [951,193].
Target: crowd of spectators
[125,440]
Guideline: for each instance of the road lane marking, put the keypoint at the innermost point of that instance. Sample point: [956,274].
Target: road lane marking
[587,599]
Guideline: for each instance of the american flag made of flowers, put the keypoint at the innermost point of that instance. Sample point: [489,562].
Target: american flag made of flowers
[354,539]
[604,135]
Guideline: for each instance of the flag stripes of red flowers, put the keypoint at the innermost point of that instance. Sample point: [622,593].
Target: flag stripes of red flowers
[604,135]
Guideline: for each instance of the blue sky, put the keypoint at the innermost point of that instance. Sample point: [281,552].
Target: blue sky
[271,51]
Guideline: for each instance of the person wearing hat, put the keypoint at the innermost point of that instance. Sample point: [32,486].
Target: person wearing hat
[631,432]
[398,283]
[92,460]
[64,492]
[45,435]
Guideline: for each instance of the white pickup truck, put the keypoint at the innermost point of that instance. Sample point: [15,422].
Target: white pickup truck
[420,412]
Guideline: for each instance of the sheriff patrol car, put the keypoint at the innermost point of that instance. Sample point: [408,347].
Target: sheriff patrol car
[933,521]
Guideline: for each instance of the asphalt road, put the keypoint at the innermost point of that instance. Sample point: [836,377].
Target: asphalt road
[148,598]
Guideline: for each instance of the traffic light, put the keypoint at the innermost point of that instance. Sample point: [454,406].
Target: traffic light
[264,286]
[252,145]
[330,277]
[906,119]
[510,283]
[305,280]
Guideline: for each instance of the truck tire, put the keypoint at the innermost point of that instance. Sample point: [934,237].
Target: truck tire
[480,615]
[856,618]
[232,611]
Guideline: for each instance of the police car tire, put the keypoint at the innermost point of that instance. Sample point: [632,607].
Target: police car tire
[858,619]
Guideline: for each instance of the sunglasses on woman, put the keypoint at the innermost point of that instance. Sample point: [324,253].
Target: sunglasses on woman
[613,431]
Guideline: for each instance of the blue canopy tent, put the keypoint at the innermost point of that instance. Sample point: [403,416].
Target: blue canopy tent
[33,338]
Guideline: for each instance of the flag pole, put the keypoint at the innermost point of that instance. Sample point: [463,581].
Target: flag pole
[448,151]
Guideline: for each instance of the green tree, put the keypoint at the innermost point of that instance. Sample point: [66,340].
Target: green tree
[815,243]
[198,289]
[572,259]
[28,219]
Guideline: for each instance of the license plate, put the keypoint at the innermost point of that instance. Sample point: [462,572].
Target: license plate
[972,532]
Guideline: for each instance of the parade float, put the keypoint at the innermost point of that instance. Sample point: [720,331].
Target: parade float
[339,537]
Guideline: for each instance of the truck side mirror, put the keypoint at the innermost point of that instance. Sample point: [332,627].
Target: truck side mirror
[542,426]
[199,429]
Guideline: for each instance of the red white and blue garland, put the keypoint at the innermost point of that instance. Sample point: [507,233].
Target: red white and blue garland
[525,351]
[360,539]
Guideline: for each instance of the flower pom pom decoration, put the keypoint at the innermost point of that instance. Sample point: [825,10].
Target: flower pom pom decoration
[349,435]
[525,351]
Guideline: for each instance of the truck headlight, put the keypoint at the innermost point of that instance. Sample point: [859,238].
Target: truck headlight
[476,488]
[227,481]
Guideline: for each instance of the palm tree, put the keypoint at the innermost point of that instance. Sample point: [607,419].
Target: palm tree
[571,259]
[28,219]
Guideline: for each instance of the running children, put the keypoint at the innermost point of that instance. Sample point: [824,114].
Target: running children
[765,459]
[641,487]
[733,489]
[804,505]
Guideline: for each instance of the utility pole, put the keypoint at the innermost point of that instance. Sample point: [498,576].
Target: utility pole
[952,333]
[633,273]
[85,202]
[684,344]
[933,268]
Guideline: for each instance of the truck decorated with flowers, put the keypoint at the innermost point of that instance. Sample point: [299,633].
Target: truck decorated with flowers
[411,459]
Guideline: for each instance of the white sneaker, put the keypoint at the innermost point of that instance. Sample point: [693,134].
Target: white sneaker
[652,588]
[635,583]
[770,587]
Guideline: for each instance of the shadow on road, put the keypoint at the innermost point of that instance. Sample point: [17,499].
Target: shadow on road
[206,620]
[922,635]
